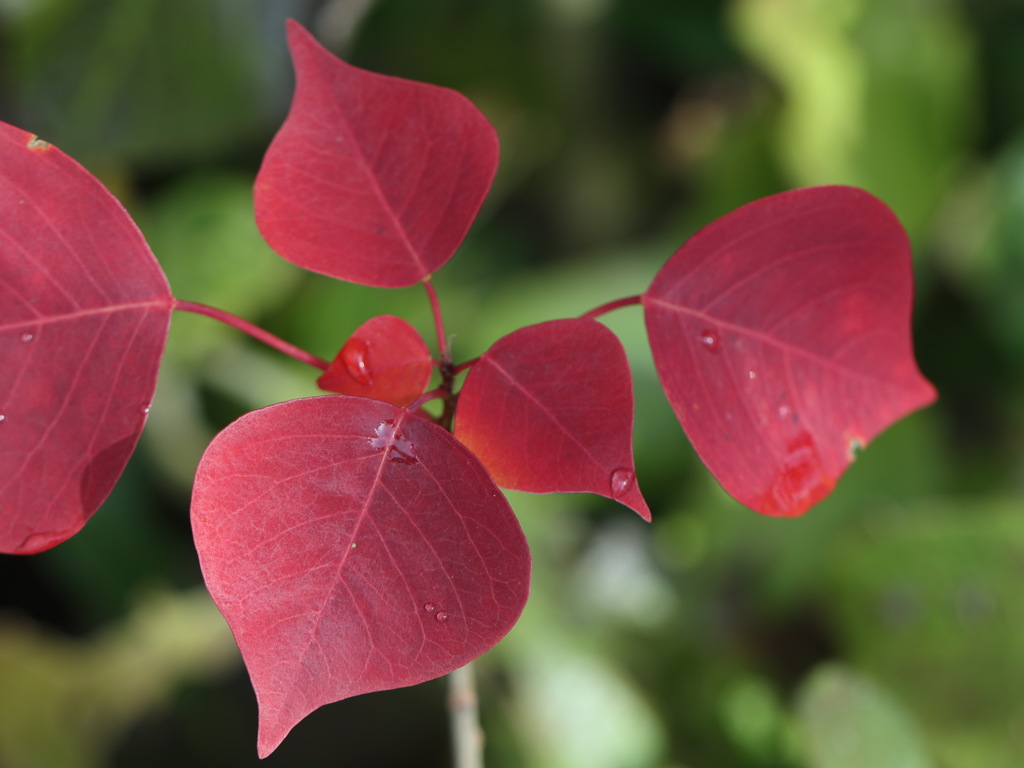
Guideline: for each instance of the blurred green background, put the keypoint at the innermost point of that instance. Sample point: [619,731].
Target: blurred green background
[883,629]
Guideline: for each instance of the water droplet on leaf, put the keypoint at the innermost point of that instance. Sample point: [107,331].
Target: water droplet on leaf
[622,480]
[26,337]
[441,616]
[2,417]
[783,411]
[353,354]
[429,607]
[709,339]
[751,375]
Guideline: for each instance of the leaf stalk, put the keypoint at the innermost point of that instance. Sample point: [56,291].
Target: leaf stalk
[275,342]
[611,305]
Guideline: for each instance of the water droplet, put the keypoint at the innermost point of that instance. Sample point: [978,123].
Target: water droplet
[751,375]
[386,437]
[145,409]
[2,417]
[709,339]
[622,480]
[784,411]
[441,616]
[27,337]
[353,545]
[353,355]
[429,607]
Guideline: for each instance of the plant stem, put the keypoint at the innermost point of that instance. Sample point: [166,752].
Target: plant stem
[426,397]
[253,330]
[464,716]
[463,708]
[444,356]
[443,353]
[605,308]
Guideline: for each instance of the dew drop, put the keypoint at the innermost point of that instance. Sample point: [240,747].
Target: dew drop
[783,411]
[429,607]
[622,480]
[2,417]
[145,409]
[441,616]
[751,375]
[27,337]
[353,355]
[709,339]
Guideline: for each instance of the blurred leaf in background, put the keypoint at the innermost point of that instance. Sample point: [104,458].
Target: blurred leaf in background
[66,702]
[145,82]
[875,93]
[847,721]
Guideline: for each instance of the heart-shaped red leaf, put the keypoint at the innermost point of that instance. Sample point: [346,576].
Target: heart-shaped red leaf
[84,313]
[385,358]
[371,179]
[549,409]
[781,334]
[352,547]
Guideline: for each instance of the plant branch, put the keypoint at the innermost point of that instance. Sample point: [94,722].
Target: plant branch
[464,716]
[605,308]
[255,331]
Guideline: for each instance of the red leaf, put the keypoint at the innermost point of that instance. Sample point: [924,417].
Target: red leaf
[352,547]
[84,313]
[781,334]
[549,409]
[371,179]
[385,358]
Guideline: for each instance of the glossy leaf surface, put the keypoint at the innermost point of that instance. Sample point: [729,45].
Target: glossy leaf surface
[385,358]
[352,547]
[84,313]
[781,334]
[549,409]
[371,179]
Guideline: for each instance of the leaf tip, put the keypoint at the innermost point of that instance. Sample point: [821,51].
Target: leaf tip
[624,489]
[265,745]
[294,30]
